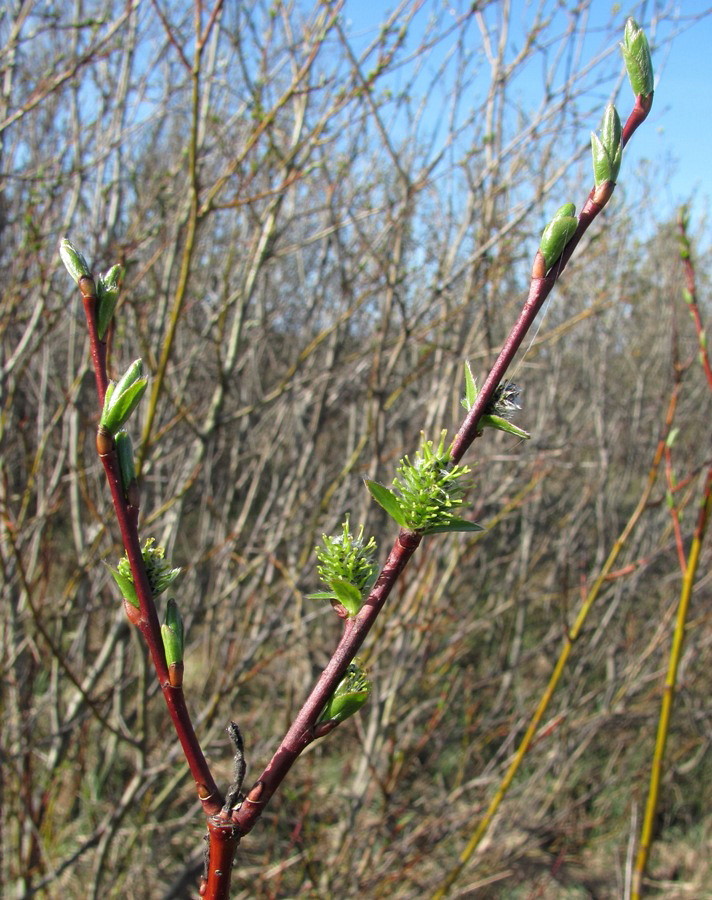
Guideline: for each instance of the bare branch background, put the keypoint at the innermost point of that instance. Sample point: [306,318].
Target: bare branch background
[317,232]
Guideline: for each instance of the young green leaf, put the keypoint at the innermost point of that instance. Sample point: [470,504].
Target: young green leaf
[107,292]
[125,585]
[124,404]
[121,399]
[502,424]
[454,524]
[350,695]
[109,393]
[172,633]
[558,233]
[347,594]
[73,260]
[388,500]
[130,376]
[470,388]
[636,54]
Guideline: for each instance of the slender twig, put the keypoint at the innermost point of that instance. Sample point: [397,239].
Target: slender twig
[146,617]
[690,297]
[656,770]
[226,825]
[96,345]
[541,285]
[301,732]
[191,231]
[539,289]
[688,567]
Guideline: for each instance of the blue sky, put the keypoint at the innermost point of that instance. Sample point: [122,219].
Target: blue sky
[683,111]
[678,135]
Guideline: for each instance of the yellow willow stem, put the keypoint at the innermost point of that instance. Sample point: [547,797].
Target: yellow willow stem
[656,771]
[569,641]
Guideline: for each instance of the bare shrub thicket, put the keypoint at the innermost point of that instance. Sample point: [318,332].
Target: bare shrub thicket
[318,228]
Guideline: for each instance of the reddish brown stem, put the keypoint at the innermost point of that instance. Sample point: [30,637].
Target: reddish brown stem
[691,299]
[539,290]
[97,347]
[301,732]
[146,618]
[224,838]
[638,115]
[675,513]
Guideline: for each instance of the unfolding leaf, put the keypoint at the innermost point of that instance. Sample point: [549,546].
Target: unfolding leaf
[348,595]
[122,405]
[125,585]
[470,388]
[388,500]
[454,524]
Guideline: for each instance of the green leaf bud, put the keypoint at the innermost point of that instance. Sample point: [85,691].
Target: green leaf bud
[123,405]
[558,233]
[124,451]
[107,291]
[611,128]
[130,376]
[636,55]
[606,150]
[172,632]
[73,260]
[125,584]
[350,695]
[121,399]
